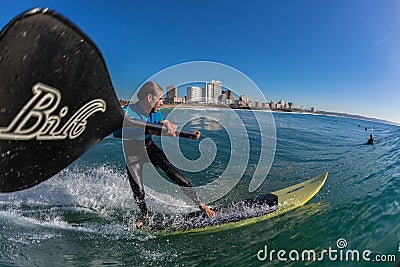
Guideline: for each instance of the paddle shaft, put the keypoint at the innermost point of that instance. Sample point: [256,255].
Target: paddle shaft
[157,128]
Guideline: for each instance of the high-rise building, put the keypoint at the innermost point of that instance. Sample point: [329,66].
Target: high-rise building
[265,105]
[208,93]
[230,98]
[281,104]
[217,88]
[212,91]
[194,94]
[243,101]
[222,99]
[172,93]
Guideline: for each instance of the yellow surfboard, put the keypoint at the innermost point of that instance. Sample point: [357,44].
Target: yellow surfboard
[288,199]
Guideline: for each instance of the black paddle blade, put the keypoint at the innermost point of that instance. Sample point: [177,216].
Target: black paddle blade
[56,98]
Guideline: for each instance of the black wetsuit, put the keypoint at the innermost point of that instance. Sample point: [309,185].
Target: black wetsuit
[139,151]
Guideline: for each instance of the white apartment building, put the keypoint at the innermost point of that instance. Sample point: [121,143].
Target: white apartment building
[194,94]
[212,91]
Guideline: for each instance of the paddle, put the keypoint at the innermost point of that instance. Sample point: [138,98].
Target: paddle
[57,99]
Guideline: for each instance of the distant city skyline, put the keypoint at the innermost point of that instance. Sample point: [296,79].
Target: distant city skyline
[340,56]
[212,93]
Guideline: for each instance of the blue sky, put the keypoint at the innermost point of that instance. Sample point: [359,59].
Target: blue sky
[339,55]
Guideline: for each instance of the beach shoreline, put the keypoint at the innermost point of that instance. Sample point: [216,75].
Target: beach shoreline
[294,111]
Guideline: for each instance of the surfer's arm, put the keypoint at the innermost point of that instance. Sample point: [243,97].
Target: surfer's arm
[197,133]
[170,127]
[170,130]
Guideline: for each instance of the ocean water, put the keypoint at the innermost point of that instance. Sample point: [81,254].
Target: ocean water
[82,216]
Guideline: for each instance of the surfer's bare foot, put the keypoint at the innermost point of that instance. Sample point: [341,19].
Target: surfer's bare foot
[207,211]
[142,221]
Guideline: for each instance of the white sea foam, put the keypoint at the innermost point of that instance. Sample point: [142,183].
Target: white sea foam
[98,196]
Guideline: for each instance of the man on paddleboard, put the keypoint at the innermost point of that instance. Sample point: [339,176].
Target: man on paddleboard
[139,148]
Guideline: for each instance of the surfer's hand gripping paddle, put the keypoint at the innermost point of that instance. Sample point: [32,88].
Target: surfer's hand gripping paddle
[56,100]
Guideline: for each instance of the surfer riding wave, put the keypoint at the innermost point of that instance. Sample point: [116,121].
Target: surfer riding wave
[140,148]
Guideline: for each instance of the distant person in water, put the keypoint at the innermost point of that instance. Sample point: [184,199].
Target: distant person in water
[139,148]
[371,139]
